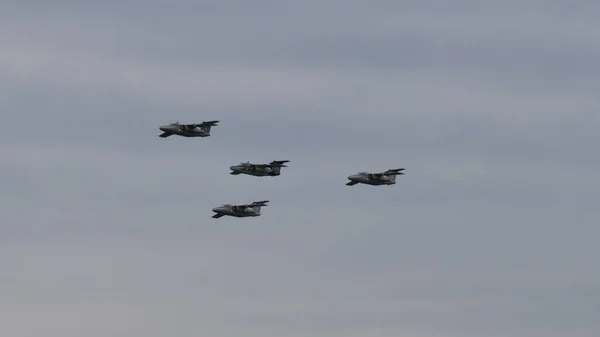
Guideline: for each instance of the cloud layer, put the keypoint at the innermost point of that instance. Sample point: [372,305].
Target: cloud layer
[106,228]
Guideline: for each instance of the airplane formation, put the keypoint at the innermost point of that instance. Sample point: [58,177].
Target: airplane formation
[271,169]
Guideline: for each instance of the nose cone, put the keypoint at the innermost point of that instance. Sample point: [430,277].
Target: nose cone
[169,128]
[353,177]
[221,209]
[233,168]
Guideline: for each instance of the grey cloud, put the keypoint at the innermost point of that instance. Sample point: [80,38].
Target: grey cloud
[297,301]
[106,228]
[529,42]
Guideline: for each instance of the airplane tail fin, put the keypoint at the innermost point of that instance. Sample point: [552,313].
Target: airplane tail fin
[391,174]
[257,205]
[394,172]
[276,166]
[205,126]
[279,163]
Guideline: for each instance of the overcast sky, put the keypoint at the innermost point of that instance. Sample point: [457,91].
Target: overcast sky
[492,108]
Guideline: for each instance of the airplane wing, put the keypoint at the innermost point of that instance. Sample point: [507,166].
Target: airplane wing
[165,134]
[352,183]
[218,215]
[279,163]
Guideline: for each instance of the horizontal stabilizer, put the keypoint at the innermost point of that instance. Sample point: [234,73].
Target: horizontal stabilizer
[211,123]
[279,163]
[260,203]
[395,171]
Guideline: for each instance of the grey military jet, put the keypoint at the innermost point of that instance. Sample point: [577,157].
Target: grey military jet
[240,211]
[259,170]
[187,130]
[384,178]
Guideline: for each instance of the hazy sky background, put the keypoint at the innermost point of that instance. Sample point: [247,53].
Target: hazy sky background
[492,108]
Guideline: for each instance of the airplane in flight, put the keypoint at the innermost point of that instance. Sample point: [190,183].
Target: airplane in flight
[240,211]
[187,130]
[259,170]
[383,178]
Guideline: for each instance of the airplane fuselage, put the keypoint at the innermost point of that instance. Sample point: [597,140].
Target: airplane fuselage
[254,171]
[244,213]
[184,131]
[362,179]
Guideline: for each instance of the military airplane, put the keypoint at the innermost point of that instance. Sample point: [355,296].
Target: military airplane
[259,170]
[384,178]
[240,211]
[187,130]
